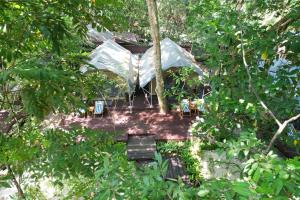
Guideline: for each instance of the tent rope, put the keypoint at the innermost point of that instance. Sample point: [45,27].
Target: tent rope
[146,92]
[131,100]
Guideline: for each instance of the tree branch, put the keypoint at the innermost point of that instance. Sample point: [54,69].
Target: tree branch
[280,130]
[7,127]
[286,21]
[251,86]
[17,184]
[281,126]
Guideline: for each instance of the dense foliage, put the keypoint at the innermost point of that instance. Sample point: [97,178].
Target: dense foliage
[43,44]
[233,105]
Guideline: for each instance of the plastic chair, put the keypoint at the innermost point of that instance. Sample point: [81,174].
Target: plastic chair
[201,107]
[99,108]
[185,107]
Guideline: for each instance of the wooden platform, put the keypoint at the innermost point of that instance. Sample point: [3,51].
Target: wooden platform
[141,121]
[141,147]
[176,169]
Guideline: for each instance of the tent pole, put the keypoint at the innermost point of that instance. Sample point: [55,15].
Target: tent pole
[130,103]
[151,105]
[146,96]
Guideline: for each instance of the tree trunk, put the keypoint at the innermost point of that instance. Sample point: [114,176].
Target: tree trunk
[16,183]
[153,19]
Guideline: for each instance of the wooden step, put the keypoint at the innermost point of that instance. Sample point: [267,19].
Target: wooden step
[140,156]
[141,138]
[141,147]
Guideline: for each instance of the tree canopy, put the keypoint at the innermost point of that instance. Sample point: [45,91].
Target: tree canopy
[250,118]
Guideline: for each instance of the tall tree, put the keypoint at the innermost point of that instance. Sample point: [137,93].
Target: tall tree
[154,25]
[41,48]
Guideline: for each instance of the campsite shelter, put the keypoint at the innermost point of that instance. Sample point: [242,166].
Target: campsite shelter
[172,55]
[113,57]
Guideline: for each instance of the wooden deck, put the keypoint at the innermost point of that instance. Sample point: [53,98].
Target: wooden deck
[140,122]
[143,120]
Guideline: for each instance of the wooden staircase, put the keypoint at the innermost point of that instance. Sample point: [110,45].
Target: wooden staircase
[141,147]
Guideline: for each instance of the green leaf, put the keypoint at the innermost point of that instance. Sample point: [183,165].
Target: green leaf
[158,158]
[254,166]
[4,184]
[203,192]
[146,180]
[242,188]
[257,175]
[279,186]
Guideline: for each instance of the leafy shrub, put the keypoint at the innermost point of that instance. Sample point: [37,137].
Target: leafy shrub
[264,177]
[170,147]
[188,152]
[226,189]
[243,147]
[120,179]
[274,177]
[59,154]
[183,82]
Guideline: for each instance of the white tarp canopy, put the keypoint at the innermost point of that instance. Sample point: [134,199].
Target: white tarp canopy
[96,36]
[115,58]
[172,55]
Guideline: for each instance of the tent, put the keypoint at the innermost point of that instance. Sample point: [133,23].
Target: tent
[113,57]
[172,55]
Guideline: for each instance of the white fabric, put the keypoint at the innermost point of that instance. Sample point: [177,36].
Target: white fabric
[172,55]
[96,36]
[113,57]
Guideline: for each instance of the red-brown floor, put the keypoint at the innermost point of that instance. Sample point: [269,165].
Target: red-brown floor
[142,120]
